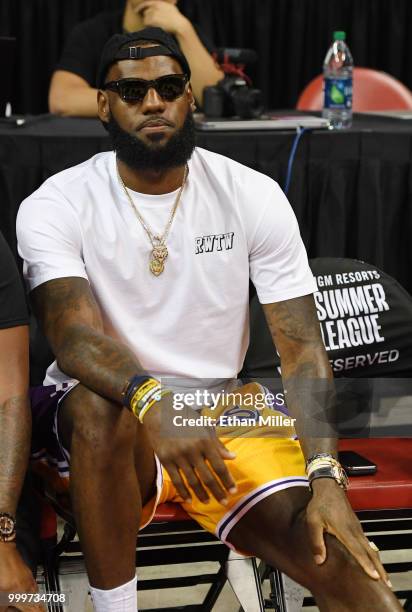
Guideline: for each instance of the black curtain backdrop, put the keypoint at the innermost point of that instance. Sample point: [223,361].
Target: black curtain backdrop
[290,36]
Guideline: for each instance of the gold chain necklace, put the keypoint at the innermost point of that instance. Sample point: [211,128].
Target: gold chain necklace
[159,249]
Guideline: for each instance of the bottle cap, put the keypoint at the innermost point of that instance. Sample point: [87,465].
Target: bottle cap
[339,35]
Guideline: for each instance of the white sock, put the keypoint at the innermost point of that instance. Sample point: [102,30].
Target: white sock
[121,599]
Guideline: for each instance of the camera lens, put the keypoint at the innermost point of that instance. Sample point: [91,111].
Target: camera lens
[213,102]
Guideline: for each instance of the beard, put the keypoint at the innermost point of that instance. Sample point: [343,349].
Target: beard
[154,156]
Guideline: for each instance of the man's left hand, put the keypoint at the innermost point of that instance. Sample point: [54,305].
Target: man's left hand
[329,511]
[160,14]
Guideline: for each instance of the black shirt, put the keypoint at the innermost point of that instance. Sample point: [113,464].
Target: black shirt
[82,51]
[13,308]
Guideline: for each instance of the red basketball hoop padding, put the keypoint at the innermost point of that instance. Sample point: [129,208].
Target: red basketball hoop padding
[170,512]
[48,523]
[391,487]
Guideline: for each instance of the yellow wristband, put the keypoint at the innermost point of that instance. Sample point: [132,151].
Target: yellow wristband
[142,394]
[143,389]
[151,403]
[138,406]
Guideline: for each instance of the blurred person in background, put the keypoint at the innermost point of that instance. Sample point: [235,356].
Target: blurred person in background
[73,84]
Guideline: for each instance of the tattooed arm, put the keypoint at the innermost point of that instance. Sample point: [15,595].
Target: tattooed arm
[15,431]
[308,384]
[72,322]
[15,417]
[306,373]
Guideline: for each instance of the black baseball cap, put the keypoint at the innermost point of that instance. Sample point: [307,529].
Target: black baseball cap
[114,50]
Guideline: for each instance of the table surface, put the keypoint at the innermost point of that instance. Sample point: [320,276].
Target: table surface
[55,127]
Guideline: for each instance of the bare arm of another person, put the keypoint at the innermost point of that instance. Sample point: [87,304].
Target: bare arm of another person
[71,96]
[310,397]
[15,432]
[205,71]
[73,325]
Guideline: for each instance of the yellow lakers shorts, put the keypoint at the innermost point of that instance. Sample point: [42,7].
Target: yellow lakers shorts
[268,459]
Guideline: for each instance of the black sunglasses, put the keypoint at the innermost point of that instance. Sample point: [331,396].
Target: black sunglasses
[168,87]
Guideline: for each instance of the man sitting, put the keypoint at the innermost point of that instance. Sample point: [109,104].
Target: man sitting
[138,261]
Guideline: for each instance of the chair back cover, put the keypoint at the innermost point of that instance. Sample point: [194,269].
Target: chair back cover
[365,317]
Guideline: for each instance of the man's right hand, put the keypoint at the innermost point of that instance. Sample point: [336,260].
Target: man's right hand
[196,460]
[16,577]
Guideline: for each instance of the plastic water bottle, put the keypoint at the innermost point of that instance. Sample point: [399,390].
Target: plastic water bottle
[337,83]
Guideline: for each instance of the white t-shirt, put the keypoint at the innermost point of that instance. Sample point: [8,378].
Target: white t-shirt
[193,320]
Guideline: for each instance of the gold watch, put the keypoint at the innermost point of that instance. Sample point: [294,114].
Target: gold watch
[7,527]
[326,466]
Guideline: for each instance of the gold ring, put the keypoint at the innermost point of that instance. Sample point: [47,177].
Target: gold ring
[373,546]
